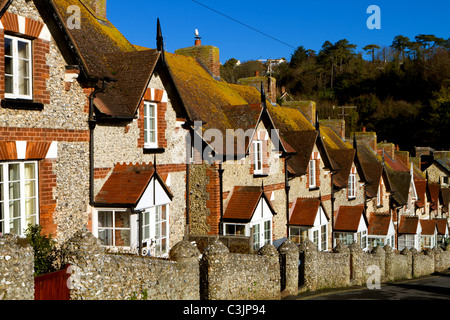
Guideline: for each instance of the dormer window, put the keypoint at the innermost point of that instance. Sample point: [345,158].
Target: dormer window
[150,125]
[18,68]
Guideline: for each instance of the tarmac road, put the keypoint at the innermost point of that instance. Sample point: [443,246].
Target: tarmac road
[434,287]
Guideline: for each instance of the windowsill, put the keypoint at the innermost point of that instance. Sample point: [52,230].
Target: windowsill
[21,104]
[351,198]
[260,175]
[311,188]
[148,150]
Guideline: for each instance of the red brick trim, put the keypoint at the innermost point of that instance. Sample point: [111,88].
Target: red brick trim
[47,203]
[155,96]
[101,173]
[213,203]
[43,134]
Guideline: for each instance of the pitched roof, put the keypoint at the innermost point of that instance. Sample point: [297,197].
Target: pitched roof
[243,202]
[303,143]
[126,184]
[445,198]
[379,224]
[443,159]
[341,154]
[400,182]
[428,227]
[348,218]
[371,167]
[434,190]
[105,52]
[408,225]
[421,189]
[442,226]
[304,211]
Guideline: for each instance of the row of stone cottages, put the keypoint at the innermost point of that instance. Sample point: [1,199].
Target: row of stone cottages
[144,147]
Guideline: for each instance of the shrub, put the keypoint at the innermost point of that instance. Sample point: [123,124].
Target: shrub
[45,252]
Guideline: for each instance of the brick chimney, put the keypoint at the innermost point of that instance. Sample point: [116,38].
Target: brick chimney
[98,8]
[207,56]
[368,137]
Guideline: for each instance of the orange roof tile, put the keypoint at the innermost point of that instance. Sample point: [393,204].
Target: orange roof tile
[379,224]
[408,225]
[243,202]
[304,211]
[428,227]
[126,184]
[348,218]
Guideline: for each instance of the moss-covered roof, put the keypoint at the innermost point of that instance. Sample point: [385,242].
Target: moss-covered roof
[107,53]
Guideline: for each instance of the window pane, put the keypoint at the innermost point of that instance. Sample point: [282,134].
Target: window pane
[122,238]
[22,48]
[14,226]
[14,209]
[122,219]
[30,172]
[24,86]
[163,212]
[30,189]
[14,190]
[105,219]
[9,66]
[105,237]
[14,173]
[2,219]
[8,47]
[30,207]
[24,68]
[9,85]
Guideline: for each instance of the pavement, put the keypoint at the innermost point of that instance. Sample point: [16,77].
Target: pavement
[433,287]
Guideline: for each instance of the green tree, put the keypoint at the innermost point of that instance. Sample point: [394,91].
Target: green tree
[370,49]
[400,44]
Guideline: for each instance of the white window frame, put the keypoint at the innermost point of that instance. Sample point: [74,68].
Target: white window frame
[5,197]
[15,58]
[312,173]
[258,157]
[352,186]
[379,196]
[155,238]
[147,121]
[97,229]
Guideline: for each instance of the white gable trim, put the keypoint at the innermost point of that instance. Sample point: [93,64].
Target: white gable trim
[154,195]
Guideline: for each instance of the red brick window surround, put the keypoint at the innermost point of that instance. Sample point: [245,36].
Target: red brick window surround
[23,42]
[152,121]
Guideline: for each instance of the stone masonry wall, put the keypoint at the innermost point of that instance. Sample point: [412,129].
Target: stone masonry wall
[97,275]
[226,276]
[16,269]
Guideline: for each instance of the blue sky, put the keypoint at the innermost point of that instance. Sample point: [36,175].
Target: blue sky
[307,23]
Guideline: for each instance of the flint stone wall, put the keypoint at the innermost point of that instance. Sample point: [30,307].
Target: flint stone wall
[323,270]
[236,276]
[97,275]
[347,266]
[16,269]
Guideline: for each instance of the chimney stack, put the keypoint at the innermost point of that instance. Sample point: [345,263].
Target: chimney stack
[207,56]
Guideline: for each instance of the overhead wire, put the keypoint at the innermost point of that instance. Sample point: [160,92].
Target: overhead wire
[244,24]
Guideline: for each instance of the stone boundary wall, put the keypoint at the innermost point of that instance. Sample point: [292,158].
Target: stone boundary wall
[16,269]
[216,274]
[348,266]
[97,275]
[237,276]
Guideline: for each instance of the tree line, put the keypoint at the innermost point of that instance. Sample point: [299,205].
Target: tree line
[401,91]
